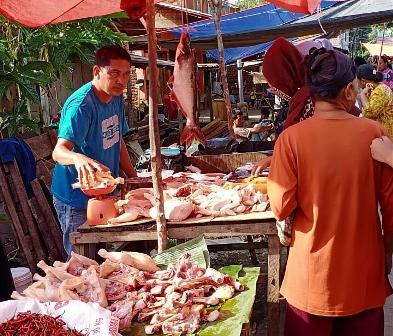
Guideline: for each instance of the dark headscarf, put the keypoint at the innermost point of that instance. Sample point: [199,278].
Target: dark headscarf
[328,85]
[284,70]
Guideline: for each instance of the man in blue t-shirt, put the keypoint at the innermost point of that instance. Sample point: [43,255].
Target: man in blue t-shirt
[90,137]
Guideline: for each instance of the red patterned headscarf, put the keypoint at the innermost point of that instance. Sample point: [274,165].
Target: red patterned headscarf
[284,70]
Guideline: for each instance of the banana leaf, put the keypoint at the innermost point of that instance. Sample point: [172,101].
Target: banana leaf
[196,247]
[233,313]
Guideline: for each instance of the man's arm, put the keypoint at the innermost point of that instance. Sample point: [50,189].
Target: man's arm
[125,161]
[260,128]
[64,154]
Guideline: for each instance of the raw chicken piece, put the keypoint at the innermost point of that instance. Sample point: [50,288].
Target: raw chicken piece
[212,316]
[108,267]
[70,288]
[130,214]
[138,260]
[123,310]
[59,273]
[95,289]
[78,263]
[175,210]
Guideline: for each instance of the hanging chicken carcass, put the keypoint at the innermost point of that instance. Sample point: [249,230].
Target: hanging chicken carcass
[184,91]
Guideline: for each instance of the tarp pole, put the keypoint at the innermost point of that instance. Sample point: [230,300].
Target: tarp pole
[240,80]
[217,11]
[154,134]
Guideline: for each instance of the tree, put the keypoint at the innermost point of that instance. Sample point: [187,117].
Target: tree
[246,4]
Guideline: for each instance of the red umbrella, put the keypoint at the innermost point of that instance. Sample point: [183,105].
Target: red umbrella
[298,6]
[38,13]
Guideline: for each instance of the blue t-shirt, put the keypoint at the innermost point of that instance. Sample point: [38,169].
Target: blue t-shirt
[95,128]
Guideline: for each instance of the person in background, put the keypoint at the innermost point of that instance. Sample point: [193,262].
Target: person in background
[253,97]
[384,67]
[243,133]
[263,121]
[376,97]
[358,61]
[90,137]
[326,286]
[289,84]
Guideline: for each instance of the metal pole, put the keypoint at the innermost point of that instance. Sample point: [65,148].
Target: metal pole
[154,134]
[240,79]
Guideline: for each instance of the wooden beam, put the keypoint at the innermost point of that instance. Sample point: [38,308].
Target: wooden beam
[273,284]
[156,164]
[217,12]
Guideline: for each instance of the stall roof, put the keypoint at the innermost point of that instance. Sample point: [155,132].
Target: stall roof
[233,54]
[247,22]
[250,28]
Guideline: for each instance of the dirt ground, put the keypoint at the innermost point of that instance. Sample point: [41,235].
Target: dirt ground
[258,318]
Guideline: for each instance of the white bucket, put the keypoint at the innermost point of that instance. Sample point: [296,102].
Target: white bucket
[22,278]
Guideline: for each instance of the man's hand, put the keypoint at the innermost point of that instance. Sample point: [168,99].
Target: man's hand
[382,150]
[64,154]
[86,166]
[259,166]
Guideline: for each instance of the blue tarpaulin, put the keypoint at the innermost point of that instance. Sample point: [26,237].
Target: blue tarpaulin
[247,21]
[233,54]
[262,24]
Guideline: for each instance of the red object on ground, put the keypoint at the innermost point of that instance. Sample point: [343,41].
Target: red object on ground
[38,13]
[298,6]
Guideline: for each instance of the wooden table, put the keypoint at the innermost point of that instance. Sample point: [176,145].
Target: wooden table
[262,223]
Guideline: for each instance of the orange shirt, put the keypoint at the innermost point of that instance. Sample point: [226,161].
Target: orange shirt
[323,168]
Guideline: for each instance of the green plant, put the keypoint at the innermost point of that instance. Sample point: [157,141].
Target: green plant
[12,122]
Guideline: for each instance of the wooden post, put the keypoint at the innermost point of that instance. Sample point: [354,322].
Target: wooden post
[154,134]
[217,11]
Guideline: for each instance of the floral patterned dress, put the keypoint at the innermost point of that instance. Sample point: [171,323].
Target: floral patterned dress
[380,107]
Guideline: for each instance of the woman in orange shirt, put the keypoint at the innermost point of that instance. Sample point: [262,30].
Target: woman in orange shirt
[335,280]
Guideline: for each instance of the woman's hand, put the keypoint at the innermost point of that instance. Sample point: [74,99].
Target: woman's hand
[382,150]
[365,94]
[259,166]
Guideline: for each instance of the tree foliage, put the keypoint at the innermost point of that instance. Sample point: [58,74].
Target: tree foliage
[246,4]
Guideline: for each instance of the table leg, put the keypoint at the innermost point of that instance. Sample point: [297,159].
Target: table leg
[253,254]
[79,248]
[87,250]
[273,285]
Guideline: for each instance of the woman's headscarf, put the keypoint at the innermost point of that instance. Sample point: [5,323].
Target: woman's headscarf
[284,70]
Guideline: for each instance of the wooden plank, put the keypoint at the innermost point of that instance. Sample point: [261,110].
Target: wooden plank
[43,173]
[46,209]
[23,200]
[78,238]
[139,224]
[55,251]
[251,217]
[24,241]
[216,231]
[273,294]
[41,146]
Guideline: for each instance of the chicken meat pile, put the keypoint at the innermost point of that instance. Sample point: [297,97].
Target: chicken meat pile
[185,198]
[177,300]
